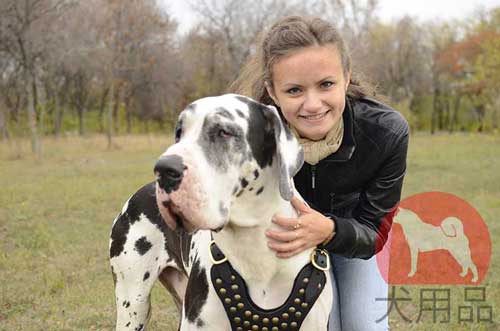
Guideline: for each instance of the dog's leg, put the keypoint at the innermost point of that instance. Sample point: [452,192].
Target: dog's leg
[414,261]
[137,258]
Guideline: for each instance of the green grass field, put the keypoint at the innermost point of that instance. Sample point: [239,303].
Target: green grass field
[56,215]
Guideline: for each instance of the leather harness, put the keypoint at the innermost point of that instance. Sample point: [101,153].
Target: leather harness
[245,315]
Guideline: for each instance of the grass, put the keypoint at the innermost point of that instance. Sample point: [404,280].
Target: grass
[56,214]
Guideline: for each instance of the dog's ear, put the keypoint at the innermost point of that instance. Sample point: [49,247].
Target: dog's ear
[289,153]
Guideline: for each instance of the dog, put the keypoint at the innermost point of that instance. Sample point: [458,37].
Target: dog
[424,237]
[199,228]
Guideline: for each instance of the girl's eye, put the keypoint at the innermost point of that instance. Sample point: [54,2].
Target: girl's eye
[327,84]
[293,90]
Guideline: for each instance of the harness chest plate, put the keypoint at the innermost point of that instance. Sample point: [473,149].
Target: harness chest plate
[245,315]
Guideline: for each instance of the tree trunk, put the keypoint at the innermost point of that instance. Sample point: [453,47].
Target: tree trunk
[36,147]
[4,130]
[454,118]
[102,105]
[128,113]
[110,116]
[116,104]
[81,112]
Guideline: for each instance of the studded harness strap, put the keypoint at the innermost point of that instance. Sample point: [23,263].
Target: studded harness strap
[245,315]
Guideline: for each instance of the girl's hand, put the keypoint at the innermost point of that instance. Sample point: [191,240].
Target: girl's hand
[308,230]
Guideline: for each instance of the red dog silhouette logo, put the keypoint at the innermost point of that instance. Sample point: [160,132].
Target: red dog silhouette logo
[436,238]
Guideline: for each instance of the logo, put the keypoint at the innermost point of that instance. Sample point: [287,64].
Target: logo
[436,238]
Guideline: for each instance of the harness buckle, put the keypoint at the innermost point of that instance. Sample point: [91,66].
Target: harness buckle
[212,258]
[324,255]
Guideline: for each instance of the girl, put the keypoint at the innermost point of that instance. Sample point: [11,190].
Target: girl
[355,159]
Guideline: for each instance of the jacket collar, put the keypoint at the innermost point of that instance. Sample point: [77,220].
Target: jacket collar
[346,149]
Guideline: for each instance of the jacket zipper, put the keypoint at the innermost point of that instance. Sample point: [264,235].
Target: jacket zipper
[313,182]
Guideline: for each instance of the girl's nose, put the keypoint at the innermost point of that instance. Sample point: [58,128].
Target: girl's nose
[312,102]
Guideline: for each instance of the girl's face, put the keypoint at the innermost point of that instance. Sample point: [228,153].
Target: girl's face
[309,86]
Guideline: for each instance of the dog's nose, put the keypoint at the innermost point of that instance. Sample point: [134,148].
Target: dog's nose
[170,170]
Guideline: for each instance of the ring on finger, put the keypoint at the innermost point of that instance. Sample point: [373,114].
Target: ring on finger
[296,226]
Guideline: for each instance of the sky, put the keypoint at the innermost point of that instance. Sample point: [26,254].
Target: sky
[388,9]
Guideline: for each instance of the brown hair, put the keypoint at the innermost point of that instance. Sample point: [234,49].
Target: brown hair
[284,37]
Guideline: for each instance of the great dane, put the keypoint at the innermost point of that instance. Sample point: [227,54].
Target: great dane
[229,171]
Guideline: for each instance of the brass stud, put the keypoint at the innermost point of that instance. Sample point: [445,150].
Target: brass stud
[232,310]
[284,325]
[246,324]
[248,313]
[293,325]
[255,328]
[237,320]
[275,320]
[265,320]
[285,315]
[256,317]
[291,309]
[233,277]
[234,287]
[306,280]
[227,300]
[297,301]
[240,305]
[298,314]
[239,329]
[222,291]
[274,328]
[319,285]
[265,328]
[218,281]
[304,304]
[302,291]
[237,297]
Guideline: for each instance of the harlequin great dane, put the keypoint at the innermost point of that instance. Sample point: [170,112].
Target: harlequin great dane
[200,227]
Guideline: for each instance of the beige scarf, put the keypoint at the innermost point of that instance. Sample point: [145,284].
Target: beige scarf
[315,151]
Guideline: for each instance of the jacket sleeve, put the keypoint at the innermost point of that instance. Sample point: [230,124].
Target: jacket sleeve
[366,232]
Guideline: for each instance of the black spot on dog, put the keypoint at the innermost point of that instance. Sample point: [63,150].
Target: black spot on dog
[259,191]
[239,193]
[196,292]
[127,325]
[222,209]
[256,174]
[139,328]
[250,189]
[142,202]
[146,276]
[222,143]
[191,107]
[260,135]
[126,304]
[200,323]
[240,113]
[244,182]
[221,111]
[142,245]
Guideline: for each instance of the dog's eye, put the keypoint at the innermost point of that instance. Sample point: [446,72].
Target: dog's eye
[224,133]
[178,133]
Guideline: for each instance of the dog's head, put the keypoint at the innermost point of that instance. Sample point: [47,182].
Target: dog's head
[227,148]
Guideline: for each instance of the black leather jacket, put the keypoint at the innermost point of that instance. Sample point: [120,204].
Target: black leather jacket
[359,186]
